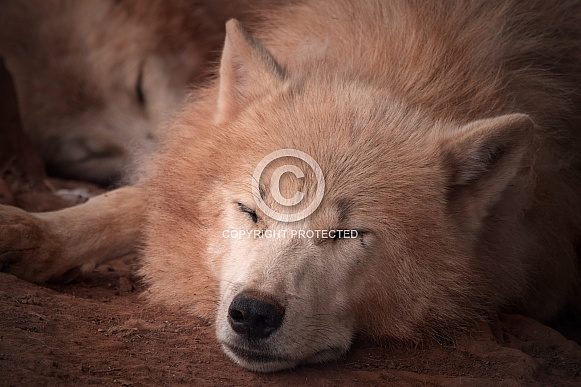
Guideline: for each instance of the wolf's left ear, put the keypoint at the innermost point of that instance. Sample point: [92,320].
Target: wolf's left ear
[481,159]
[247,69]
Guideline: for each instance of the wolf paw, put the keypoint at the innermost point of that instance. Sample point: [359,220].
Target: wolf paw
[27,248]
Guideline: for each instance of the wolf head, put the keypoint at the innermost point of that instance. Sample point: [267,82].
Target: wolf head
[95,80]
[408,193]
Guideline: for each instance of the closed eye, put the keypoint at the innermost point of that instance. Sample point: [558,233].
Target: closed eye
[341,234]
[250,212]
[139,88]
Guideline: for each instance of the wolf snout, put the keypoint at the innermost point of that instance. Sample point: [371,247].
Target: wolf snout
[254,315]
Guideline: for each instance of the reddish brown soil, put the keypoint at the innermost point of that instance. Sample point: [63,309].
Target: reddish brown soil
[100,331]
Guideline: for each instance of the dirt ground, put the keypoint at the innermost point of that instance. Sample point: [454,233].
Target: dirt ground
[99,330]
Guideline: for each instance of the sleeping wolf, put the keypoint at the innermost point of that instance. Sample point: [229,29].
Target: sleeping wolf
[438,140]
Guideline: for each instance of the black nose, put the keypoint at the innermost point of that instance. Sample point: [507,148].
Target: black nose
[254,315]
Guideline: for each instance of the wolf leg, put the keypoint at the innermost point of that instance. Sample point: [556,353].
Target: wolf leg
[62,244]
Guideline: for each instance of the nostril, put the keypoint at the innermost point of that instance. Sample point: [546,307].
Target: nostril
[236,315]
[254,315]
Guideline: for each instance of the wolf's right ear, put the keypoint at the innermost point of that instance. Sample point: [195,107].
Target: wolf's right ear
[247,69]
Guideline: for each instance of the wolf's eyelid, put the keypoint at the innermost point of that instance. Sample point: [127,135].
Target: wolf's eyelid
[344,232]
[139,88]
[248,211]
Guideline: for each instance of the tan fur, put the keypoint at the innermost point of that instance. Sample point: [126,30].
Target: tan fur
[448,134]
[67,243]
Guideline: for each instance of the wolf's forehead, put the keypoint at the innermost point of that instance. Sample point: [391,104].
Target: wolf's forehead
[287,176]
[290,183]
